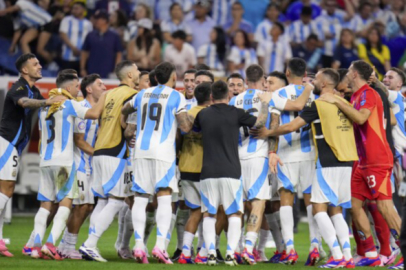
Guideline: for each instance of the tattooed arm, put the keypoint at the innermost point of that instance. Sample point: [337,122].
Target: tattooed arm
[263,113]
[28,103]
[273,141]
[185,122]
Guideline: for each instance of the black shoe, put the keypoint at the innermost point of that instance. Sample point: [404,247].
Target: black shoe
[211,260]
[176,255]
[219,256]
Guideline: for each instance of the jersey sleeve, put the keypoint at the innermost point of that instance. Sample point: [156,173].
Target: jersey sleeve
[278,101]
[245,118]
[367,100]
[80,126]
[182,104]
[75,109]
[392,96]
[18,93]
[234,56]
[310,114]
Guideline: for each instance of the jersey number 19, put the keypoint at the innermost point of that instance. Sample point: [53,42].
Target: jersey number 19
[154,114]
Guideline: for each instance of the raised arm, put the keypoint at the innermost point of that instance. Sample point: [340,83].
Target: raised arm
[96,110]
[300,102]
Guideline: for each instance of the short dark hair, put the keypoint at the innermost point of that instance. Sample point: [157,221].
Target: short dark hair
[219,90]
[68,71]
[173,6]
[306,11]
[179,34]
[152,80]
[65,77]
[20,62]
[254,73]
[297,66]
[190,71]
[363,68]
[332,74]
[364,4]
[278,24]
[120,66]
[202,92]
[400,73]
[206,73]
[343,72]
[86,81]
[202,67]
[235,75]
[280,75]
[312,36]
[163,72]
[144,72]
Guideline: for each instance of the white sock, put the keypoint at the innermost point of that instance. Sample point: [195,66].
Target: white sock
[343,234]
[128,230]
[233,234]
[203,252]
[139,218]
[182,217]
[59,225]
[209,234]
[218,237]
[286,214]
[3,202]
[103,221]
[200,239]
[40,226]
[263,238]
[169,234]
[121,218]
[187,243]
[314,240]
[329,234]
[30,242]
[149,226]
[250,240]
[62,243]
[240,246]
[101,203]
[163,220]
[71,240]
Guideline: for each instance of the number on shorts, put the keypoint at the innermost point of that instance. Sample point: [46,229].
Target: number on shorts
[371,181]
[15,159]
[128,177]
[155,111]
[51,126]
[81,185]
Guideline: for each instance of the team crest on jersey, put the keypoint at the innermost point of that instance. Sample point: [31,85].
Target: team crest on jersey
[82,125]
[14,173]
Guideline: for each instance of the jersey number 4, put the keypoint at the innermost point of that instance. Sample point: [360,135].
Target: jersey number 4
[154,114]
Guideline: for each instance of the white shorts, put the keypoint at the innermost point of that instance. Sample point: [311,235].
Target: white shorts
[9,160]
[332,185]
[221,191]
[57,183]
[254,173]
[151,174]
[273,190]
[109,177]
[85,191]
[191,191]
[302,173]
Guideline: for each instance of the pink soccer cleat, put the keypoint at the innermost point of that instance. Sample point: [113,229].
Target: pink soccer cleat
[140,256]
[3,249]
[161,255]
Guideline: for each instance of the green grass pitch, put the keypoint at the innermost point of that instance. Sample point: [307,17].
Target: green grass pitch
[21,227]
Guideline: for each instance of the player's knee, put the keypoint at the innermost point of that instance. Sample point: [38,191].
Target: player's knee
[7,188]
[385,207]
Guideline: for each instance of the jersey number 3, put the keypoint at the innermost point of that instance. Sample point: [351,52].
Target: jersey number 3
[51,126]
[154,114]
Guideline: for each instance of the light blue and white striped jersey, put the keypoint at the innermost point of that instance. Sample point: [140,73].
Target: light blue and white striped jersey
[170,27]
[275,54]
[398,104]
[298,32]
[76,30]
[358,23]
[262,33]
[57,144]
[211,58]
[296,146]
[89,128]
[250,147]
[190,103]
[221,11]
[332,24]
[31,15]
[247,56]
[157,108]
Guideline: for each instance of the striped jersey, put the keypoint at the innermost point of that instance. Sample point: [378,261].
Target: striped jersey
[298,32]
[398,104]
[31,15]
[275,54]
[296,146]
[190,103]
[76,30]
[246,56]
[221,11]
[57,144]
[211,58]
[89,128]
[157,108]
[332,25]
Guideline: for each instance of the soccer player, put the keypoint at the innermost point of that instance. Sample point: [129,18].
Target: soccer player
[220,179]
[160,110]
[85,133]
[371,178]
[336,152]
[57,175]
[342,87]
[15,128]
[110,159]
[189,84]
[394,79]
[235,84]
[203,76]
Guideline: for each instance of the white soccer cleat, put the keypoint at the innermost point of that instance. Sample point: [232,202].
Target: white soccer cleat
[91,254]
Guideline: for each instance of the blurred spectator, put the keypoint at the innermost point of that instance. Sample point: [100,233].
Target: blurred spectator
[301,29]
[162,10]
[310,52]
[221,11]
[254,10]
[293,13]
[202,25]
[175,23]
[118,23]
[360,23]
[346,51]
[213,53]
[398,27]
[273,14]
[375,53]
[31,17]
[112,5]
[102,49]
[274,53]
[201,66]
[398,6]
[180,53]
[142,11]
[237,22]
[384,14]
[144,50]
[241,54]
[73,31]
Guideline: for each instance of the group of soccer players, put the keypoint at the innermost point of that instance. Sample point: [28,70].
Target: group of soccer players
[222,156]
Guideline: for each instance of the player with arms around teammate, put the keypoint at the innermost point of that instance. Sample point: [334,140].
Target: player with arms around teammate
[15,128]
[160,111]
[371,178]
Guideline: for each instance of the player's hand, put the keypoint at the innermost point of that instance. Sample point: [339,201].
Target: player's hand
[373,77]
[328,97]
[55,99]
[265,97]
[261,133]
[274,160]
[76,51]
[309,87]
